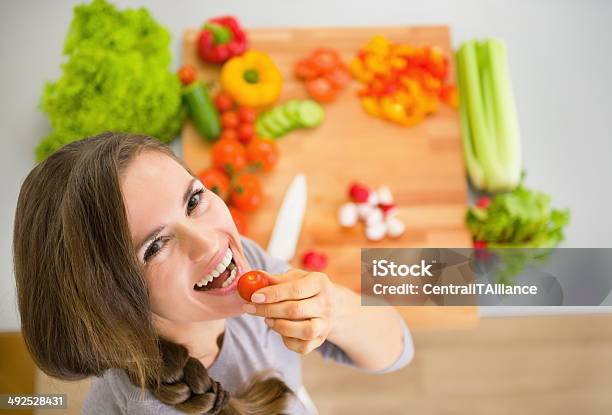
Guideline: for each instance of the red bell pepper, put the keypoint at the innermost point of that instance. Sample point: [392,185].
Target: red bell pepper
[220,39]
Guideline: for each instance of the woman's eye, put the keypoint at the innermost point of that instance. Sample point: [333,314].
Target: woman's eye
[194,200]
[153,249]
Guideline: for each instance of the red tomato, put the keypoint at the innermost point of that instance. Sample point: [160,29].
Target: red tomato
[339,78]
[325,59]
[262,153]
[306,69]
[314,260]
[245,133]
[224,101]
[240,220]
[250,282]
[216,180]
[247,115]
[247,194]
[187,74]
[229,133]
[229,119]
[321,89]
[228,155]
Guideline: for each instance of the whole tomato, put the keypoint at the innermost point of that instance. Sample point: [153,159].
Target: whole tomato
[250,282]
[224,101]
[229,119]
[247,194]
[240,220]
[262,153]
[216,180]
[187,74]
[229,133]
[247,115]
[245,133]
[228,155]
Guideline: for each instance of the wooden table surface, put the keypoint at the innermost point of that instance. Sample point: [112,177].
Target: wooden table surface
[422,165]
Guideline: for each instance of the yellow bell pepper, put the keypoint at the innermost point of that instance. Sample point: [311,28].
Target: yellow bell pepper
[252,79]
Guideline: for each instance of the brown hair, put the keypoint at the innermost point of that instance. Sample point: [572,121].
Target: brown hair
[82,296]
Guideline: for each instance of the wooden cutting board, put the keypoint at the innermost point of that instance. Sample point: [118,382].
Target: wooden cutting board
[422,165]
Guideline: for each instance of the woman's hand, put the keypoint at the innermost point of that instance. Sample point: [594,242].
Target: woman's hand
[298,305]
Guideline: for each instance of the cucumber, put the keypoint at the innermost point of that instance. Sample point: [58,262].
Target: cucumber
[291,111]
[310,114]
[275,129]
[261,130]
[202,110]
[278,115]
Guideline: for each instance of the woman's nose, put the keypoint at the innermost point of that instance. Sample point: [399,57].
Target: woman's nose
[199,244]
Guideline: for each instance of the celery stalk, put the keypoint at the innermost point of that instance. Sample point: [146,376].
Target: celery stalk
[489,120]
[471,162]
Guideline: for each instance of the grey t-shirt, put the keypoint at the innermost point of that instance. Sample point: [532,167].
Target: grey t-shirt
[249,346]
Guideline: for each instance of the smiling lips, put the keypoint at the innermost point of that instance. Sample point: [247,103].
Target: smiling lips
[222,276]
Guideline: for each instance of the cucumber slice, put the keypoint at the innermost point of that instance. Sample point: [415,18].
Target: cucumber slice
[278,115]
[310,113]
[260,130]
[291,111]
[269,124]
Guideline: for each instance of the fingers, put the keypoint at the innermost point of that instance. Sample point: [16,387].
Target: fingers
[292,274]
[296,286]
[292,310]
[302,346]
[309,329]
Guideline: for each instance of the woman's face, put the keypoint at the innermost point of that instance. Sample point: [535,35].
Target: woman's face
[182,232]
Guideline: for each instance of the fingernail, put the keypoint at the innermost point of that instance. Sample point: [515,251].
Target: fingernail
[269,322]
[248,308]
[258,298]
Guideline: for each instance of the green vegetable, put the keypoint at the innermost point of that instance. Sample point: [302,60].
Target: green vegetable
[202,110]
[522,218]
[285,118]
[116,78]
[489,121]
[310,113]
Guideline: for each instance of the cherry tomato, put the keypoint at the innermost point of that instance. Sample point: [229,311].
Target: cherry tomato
[216,180]
[325,59]
[245,133]
[262,153]
[229,133]
[359,193]
[229,119]
[250,282]
[247,194]
[240,220]
[187,74]
[321,89]
[247,115]
[483,202]
[224,101]
[228,155]
[314,260]
[306,69]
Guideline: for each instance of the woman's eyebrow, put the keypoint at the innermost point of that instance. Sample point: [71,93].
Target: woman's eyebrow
[153,234]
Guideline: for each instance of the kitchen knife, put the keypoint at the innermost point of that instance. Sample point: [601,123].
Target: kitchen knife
[288,223]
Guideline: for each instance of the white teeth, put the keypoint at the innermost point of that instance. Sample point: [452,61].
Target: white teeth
[230,279]
[227,259]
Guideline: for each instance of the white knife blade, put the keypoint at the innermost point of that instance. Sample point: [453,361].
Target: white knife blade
[289,220]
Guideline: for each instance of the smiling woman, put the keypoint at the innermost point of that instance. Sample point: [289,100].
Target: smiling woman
[107,251]
[127,269]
